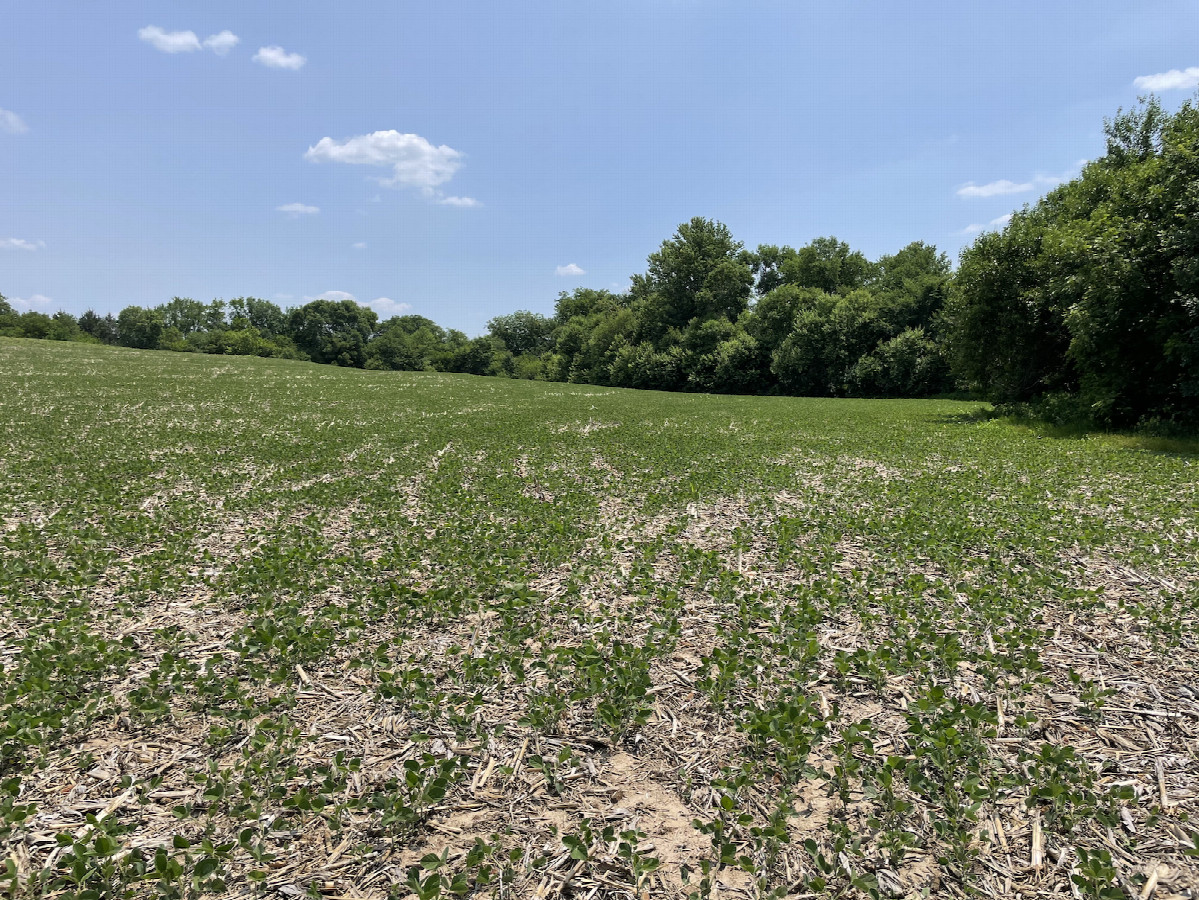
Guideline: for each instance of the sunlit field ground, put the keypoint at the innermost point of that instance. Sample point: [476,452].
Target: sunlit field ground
[273,629]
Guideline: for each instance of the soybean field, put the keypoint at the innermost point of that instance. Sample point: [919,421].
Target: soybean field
[272,629]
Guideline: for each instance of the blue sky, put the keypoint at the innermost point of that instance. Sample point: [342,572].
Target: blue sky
[468,159]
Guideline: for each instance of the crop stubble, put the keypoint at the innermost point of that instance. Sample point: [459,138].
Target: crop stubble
[305,628]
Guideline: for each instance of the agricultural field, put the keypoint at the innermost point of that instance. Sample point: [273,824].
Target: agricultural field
[274,629]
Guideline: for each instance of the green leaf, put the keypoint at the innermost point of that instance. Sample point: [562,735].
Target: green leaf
[206,866]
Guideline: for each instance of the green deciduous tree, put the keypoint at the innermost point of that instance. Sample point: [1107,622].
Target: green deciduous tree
[912,285]
[1094,291]
[826,341]
[184,314]
[410,343]
[644,366]
[825,264]
[64,327]
[103,329]
[8,318]
[33,324]
[472,357]
[701,272]
[333,331]
[523,332]
[586,302]
[1008,335]
[264,315]
[139,327]
[910,364]
[772,318]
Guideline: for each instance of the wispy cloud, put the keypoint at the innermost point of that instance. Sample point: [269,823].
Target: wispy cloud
[568,270]
[186,41]
[169,41]
[999,222]
[1003,186]
[222,42]
[994,188]
[361,245]
[1174,80]
[37,301]
[295,210]
[276,57]
[21,244]
[11,123]
[414,161]
[385,306]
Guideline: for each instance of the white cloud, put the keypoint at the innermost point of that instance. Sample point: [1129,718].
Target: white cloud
[1174,80]
[222,43]
[37,301]
[21,244]
[998,222]
[569,269]
[385,306]
[361,245]
[413,160]
[277,58]
[186,41]
[169,41]
[416,162]
[994,188]
[295,210]
[1004,186]
[11,123]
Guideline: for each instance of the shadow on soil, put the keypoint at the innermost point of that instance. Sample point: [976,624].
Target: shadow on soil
[1181,446]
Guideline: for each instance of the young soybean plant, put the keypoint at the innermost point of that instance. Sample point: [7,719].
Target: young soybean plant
[404,803]
[435,878]
[641,865]
[1096,877]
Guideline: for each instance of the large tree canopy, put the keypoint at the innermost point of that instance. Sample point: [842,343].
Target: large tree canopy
[826,264]
[523,332]
[268,318]
[333,331]
[140,327]
[1094,291]
[700,273]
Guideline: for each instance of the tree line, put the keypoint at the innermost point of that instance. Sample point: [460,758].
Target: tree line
[707,315]
[1084,307]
